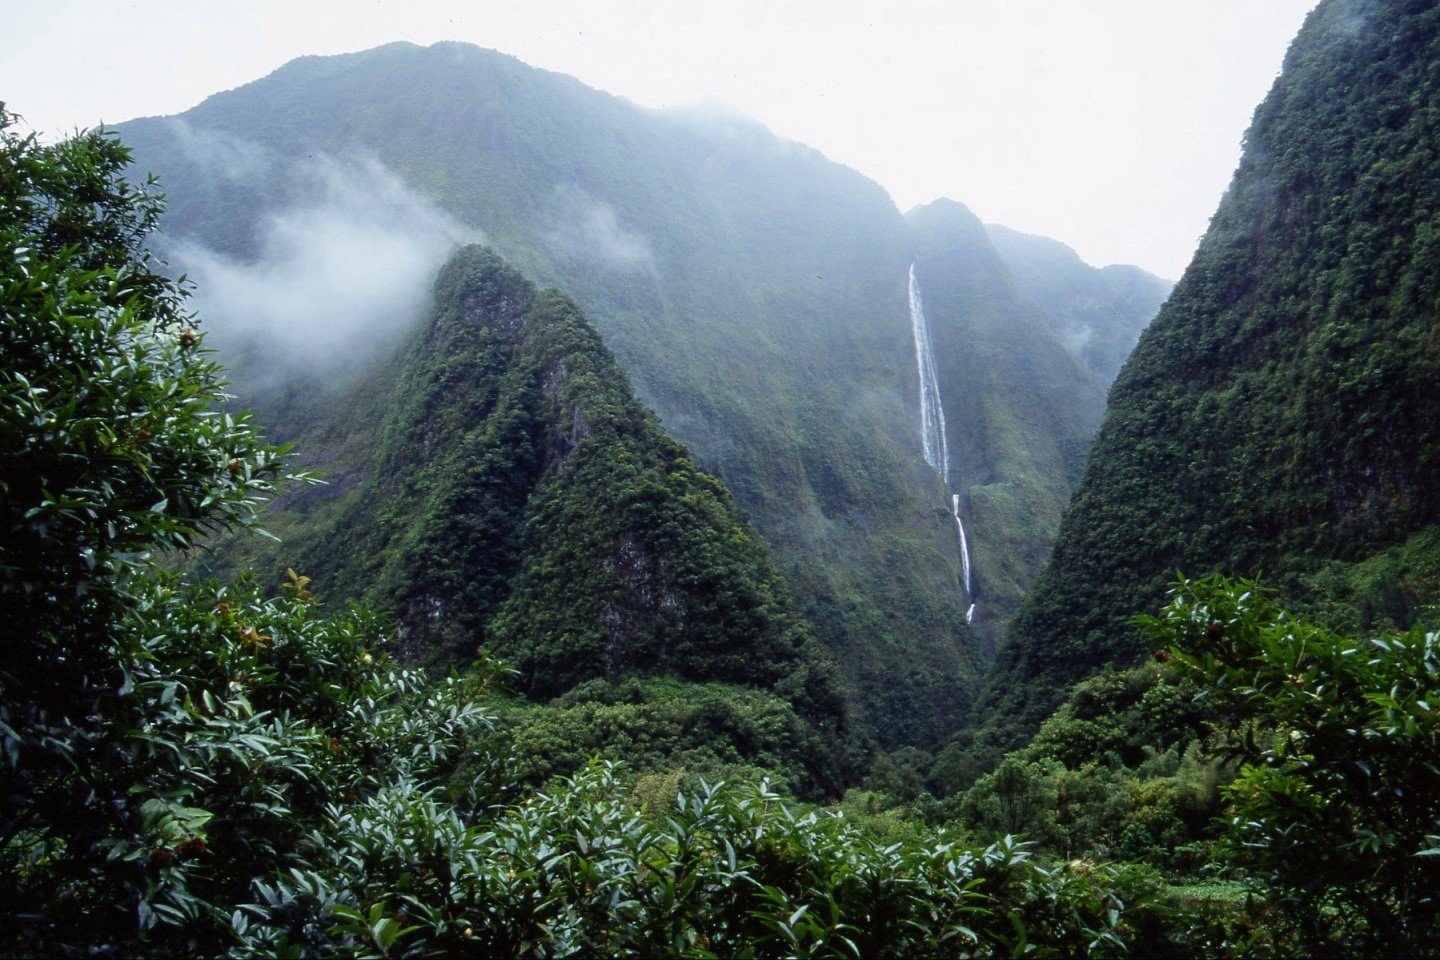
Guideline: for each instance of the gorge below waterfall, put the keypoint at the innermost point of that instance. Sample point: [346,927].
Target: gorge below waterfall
[932,429]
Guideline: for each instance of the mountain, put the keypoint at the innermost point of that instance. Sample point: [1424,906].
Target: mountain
[514,495]
[1279,416]
[1097,314]
[1019,409]
[755,293]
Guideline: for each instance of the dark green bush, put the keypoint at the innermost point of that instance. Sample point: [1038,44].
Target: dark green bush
[1337,804]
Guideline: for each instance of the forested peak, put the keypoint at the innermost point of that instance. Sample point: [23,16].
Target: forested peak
[477,287]
[1278,415]
[555,523]
[403,56]
[1343,21]
[1128,273]
[1057,267]
[950,217]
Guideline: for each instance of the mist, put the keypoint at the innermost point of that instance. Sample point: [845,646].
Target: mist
[590,230]
[339,279]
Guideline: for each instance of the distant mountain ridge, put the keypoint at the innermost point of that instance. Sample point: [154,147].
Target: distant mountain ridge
[1098,314]
[754,292]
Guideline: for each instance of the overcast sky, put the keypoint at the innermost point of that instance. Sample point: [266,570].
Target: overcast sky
[1113,125]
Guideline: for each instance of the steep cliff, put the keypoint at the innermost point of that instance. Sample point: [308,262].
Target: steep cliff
[1280,415]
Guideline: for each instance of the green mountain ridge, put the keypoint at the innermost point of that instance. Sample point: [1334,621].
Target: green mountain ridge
[517,498]
[1097,314]
[753,291]
[1278,417]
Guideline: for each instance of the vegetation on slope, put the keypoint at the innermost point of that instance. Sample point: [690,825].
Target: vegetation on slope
[1020,409]
[753,291]
[1130,767]
[1098,314]
[1278,416]
[521,500]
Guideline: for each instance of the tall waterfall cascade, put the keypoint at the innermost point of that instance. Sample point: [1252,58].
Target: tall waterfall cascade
[932,411]
[964,546]
[932,426]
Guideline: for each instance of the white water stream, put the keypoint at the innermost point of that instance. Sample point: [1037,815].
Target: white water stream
[932,425]
[932,412]
[964,545]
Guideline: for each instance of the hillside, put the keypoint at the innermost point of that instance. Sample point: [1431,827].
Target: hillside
[1097,314]
[754,292]
[1279,416]
[1019,408]
[514,496]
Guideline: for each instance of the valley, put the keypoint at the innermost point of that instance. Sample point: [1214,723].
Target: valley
[453,510]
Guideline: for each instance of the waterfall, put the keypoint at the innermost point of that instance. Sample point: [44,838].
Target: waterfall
[932,426]
[964,546]
[932,412]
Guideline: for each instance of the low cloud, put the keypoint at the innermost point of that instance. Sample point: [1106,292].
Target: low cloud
[221,154]
[339,278]
[590,230]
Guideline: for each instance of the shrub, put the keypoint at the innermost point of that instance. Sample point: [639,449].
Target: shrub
[1337,803]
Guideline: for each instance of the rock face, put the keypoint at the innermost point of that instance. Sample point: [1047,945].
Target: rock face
[1280,415]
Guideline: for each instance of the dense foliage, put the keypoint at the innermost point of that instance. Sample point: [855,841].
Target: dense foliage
[1337,804]
[110,451]
[275,786]
[111,447]
[1130,767]
[1279,415]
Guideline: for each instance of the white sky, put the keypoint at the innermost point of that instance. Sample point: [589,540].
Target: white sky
[1113,125]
